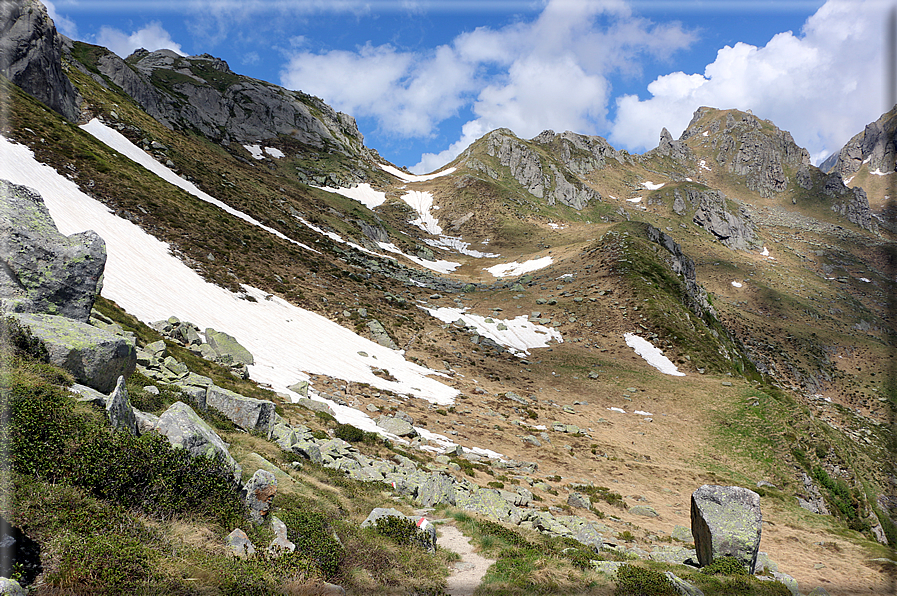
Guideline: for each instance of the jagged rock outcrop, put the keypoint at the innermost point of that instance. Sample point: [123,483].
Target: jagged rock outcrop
[669,147]
[876,147]
[41,270]
[540,177]
[712,213]
[93,356]
[749,147]
[681,264]
[119,411]
[726,521]
[852,203]
[31,56]
[203,94]
[580,154]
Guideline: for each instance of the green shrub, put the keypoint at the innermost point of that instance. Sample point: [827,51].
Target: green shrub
[326,417]
[402,530]
[105,564]
[349,433]
[314,540]
[725,566]
[641,581]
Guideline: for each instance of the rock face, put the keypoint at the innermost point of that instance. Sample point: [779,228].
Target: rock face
[712,212]
[95,357]
[750,147]
[726,521]
[695,295]
[43,271]
[668,147]
[540,176]
[876,147]
[185,430]
[31,53]
[247,412]
[581,154]
[203,94]
[852,203]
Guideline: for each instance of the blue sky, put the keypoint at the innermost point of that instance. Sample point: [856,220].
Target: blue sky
[424,79]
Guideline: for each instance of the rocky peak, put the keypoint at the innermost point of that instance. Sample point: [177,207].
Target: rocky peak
[876,147]
[579,153]
[668,147]
[541,176]
[747,146]
[31,56]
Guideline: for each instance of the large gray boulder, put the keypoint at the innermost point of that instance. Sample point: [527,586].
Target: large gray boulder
[44,271]
[396,426]
[93,356]
[31,55]
[184,429]
[726,521]
[226,346]
[247,412]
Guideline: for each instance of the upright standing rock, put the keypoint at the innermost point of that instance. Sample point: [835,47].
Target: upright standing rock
[726,521]
[259,494]
[119,411]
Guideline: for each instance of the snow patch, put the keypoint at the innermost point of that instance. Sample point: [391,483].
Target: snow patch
[515,268]
[519,335]
[620,410]
[703,165]
[635,200]
[848,181]
[254,149]
[865,279]
[406,177]
[145,279]
[363,193]
[641,413]
[651,186]
[422,202]
[440,266]
[736,284]
[878,172]
[458,245]
[705,133]
[764,252]
[274,152]
[120,143]
[652,355]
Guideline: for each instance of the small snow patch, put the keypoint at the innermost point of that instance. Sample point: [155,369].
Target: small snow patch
[736,284]
[274,152]
[651,186]
[642,413]
[652,355]
[620,410]
[705,133]
[255,150]
[635,200]
[519,335]
[515,268]
[406,177]
[867,280]
[703,165]
[878,172]
[764,252]
[363,193]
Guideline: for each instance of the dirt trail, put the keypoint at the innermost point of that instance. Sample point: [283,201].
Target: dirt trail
[469,571]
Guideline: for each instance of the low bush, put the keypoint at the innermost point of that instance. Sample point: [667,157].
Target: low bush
[725,566]
[349,433]
[314,540]
[641,581]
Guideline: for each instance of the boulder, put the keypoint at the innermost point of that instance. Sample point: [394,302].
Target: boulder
[119,410]
[44,271]
[726,521]
[10,587]
[31,56]
[258,494]
[396,426]
[184,429]
[145,421]
[379,335]
[94,357]
[579,500]
[240,544]
[247,412]
[281,543]
[226,346]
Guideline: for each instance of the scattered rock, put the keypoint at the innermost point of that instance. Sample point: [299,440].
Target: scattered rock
[281,544]
[579,500]
[119,411]
[726,521]
[184,429]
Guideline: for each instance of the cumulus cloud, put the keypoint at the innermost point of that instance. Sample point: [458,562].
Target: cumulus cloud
[527,76]
[151,37]
[823,85]
[65,25]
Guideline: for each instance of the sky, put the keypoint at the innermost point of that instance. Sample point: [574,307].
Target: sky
[426,78]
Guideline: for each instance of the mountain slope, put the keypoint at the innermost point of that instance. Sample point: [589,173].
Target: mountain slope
[726,249]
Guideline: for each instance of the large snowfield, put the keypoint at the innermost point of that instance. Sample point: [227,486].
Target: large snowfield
[144,278]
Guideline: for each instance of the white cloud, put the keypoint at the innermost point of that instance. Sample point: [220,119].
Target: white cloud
[527,76]
[63,24]
[822,85]
[151,37]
